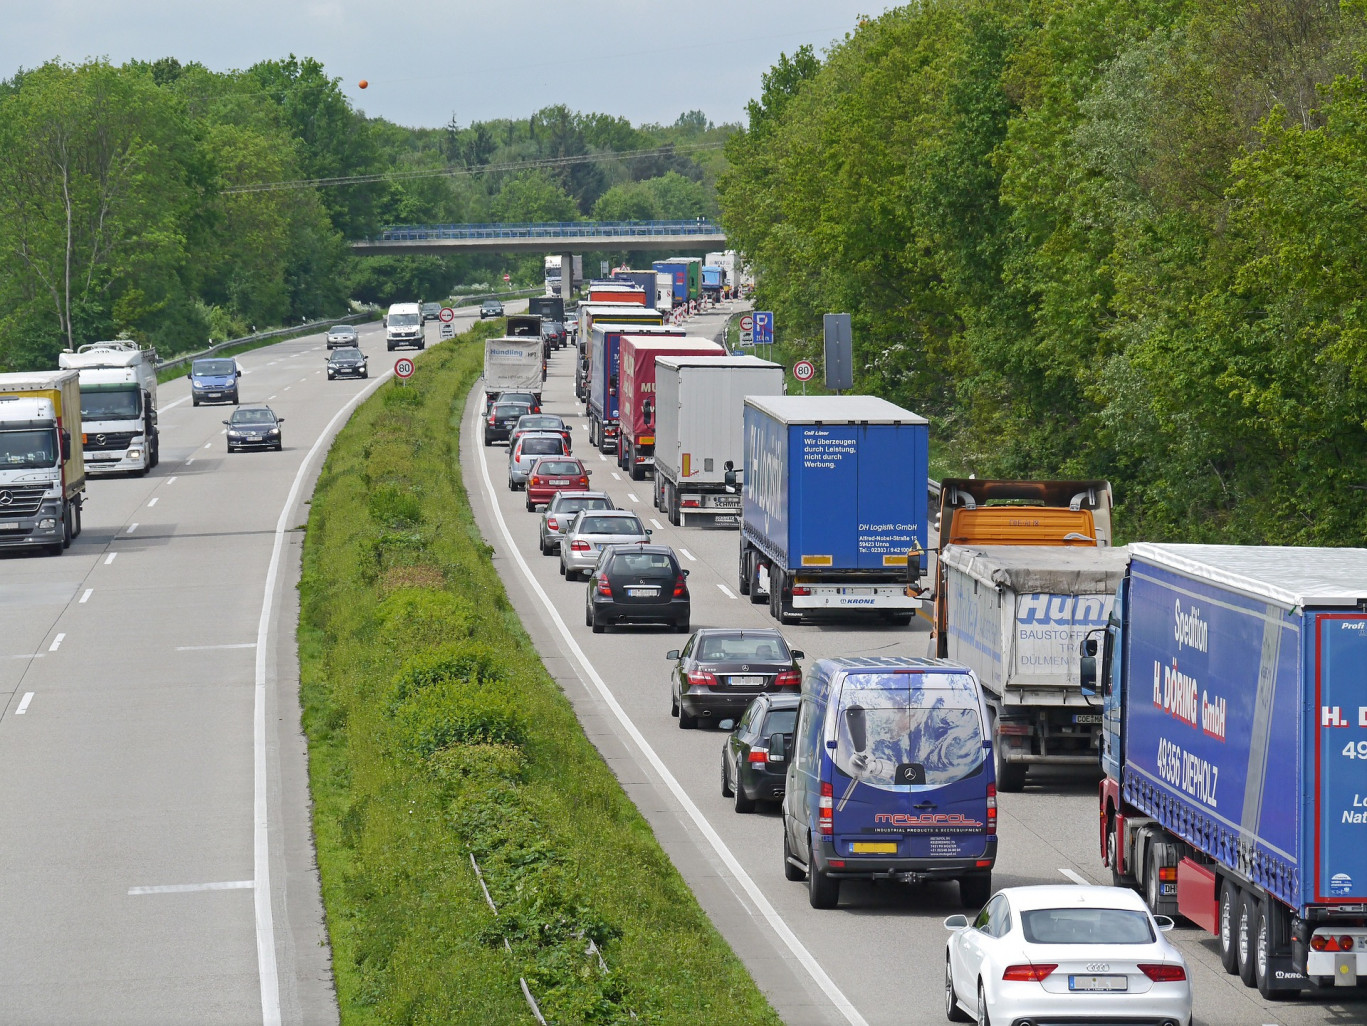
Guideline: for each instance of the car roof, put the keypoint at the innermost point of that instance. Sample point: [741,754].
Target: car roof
[768,632]
[783,701]
[542,434]
[1038,896]
[580,493]
[648,547]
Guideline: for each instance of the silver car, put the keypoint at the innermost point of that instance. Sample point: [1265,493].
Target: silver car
[561,510]
[340,335]
[530,448]
[590,531]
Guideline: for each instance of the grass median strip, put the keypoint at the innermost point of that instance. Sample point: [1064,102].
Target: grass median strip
[435,734]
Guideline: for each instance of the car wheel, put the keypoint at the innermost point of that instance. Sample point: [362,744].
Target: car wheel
[562,571]
[1227,917]
[975,890]
[673,702]
[588,615]
[741,802]
[952,1010]
[531,506]
[726,791]
[823,891]
[681,627]
[1245,927]
[790,871]
[236,400]
[365,374]
[687,721]
[598,626]
[331,376]
[194,402]
[545,549]
[488,441]
[280,446]
[984,1019]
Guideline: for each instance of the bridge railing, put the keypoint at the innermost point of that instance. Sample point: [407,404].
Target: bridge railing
[547,230]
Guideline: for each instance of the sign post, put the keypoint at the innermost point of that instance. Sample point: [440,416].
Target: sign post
[804,371]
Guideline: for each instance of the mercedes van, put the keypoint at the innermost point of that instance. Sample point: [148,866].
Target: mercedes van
[403,326]
[890,778]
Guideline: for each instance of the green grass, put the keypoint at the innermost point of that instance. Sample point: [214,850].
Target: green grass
[435,733]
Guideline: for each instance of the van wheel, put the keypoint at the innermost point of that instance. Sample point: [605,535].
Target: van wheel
[822,891]
[975,890]
[790,871]
[1228,919]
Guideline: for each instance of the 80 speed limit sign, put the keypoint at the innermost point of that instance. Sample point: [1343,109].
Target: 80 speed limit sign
[804,370]
[403,367]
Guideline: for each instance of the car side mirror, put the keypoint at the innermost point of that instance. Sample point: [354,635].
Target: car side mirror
[1165,923]
[588,473]
[280,420]
[191,376]
[685,573]
[959,922]
[649,532]
[672,655]
[225,422]
[797,653]
[778,748]
[239,372]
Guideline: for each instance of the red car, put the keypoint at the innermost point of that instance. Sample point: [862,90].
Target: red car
[552,474]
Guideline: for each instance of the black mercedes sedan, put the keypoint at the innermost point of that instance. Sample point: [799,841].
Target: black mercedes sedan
[721,669]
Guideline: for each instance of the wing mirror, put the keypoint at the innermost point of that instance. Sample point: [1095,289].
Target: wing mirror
[730,476]
[1087,667]
[778,748]
[797,653]
[66,445]
[959,922]
[672,655]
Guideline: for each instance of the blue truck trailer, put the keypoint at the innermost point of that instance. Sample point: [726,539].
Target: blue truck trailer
[1233,693]
[647,280]
[833,506]
[713,281]
[604,382]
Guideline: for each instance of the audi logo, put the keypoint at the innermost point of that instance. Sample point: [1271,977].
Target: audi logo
[1098,967]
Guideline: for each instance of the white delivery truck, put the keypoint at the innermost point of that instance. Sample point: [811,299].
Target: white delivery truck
[404,326]
[118,406]
[1017,615]
[700,430]
[42,474]
[513,365]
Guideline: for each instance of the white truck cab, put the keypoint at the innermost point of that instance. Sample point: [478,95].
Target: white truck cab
[118,406]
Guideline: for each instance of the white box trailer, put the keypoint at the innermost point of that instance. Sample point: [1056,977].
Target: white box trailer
[1016,615]
[513,365]
[700,430]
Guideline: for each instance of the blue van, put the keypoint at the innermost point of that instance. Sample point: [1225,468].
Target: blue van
[891,778]
[214,380]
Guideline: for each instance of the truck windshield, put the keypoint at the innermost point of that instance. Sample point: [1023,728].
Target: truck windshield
[111,404]
[28,449]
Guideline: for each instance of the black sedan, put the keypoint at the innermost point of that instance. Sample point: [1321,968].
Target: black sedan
[754,757]
[254,427]
[721,669]
[503,417]
[346,363]
[637,583]
[490,308]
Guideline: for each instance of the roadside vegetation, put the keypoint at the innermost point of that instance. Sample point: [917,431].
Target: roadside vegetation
[436,735]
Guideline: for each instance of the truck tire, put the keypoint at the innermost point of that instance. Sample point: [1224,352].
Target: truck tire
[593,434]
[756,596]
[744,575]
[1245,931]
[77,522]
[672,505]
[637,472]
[1118,879]
[1227,921]
[67,531]
[1010,775]
[1262,957]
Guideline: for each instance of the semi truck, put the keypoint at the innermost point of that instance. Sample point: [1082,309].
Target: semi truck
[1017,614]
[833,505]
[699,430]
[636,437]
[603,401]
[118,383]
[646,281]
[550,308]
[617,292]
[587,315]
[713,280]
[513,365]
[1233,692]
[42,471]
[553,275]
[684,273]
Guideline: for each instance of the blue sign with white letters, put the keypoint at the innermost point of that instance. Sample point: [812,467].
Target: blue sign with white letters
[764,327]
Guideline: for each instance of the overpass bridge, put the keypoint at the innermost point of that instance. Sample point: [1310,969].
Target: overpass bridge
[563,237]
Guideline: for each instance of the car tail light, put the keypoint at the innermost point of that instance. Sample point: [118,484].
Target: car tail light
[1324,942]
[1022,973]
[536,480]
[800,590]
[991,808]
[604,588]
[680,587]
[758,756]
[493,419]
[552,523]
[824,813]
[584,480]
[1163,972]
[788,679]
[579,546]
[702,679]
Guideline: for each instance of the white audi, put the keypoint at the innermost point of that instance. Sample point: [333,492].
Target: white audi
[1065,953]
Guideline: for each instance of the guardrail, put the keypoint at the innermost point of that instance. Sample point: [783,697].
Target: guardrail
[294,329]
[547,230]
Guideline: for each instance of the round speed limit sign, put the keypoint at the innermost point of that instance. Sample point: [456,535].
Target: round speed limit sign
[403,367]
[804,370]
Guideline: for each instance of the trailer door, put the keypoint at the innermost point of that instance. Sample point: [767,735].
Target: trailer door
[1341,757]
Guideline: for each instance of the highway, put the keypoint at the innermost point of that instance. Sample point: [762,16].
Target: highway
[877,959]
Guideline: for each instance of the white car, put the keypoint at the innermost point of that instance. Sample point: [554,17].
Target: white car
[1066,953]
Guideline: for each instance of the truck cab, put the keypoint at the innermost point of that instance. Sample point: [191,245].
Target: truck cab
[118,383]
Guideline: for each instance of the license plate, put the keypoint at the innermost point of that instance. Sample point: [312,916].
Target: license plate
[747,682]
[213,395]
[558,481]
[104,455]
[874,847]
[728,501]
[1086,717]
[1098,983]
[8,525]
[643,592]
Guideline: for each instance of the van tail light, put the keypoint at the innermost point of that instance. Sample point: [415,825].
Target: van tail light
[788,679]
[702,679]
[991,808]
[680,587]
[579,546]
[1163,972]
[1023,973]
[800,590]
[603,587]
[824,812]
[758,756]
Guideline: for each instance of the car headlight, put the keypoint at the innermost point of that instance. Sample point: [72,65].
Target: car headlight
[234,434]
[273,433]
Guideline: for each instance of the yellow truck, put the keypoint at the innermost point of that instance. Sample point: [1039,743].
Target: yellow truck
[42,472]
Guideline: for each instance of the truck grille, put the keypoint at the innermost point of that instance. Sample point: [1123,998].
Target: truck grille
[20,502]
[107,441]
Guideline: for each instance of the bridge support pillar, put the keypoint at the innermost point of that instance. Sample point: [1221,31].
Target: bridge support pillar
[566,277]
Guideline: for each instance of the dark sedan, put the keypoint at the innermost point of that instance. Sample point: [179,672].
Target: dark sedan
[346,363]
[542,422]
[637,584]
[754,757]
[254,427]
[503,417]
[553,333]
[721,669]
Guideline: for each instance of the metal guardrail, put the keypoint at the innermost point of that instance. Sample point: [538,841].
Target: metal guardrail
[547,230]
[294,329]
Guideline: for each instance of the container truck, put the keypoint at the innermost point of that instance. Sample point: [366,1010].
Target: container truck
[118,406]
[553,275]
[1233,689]
[699,430]
[617,292]
[1017,614]
[636,437]
[833,505]
[513,365]
[523,326]
[646,281]
[603,400]
[42,472]
[550,308]
[614,313]
[678,271]
[713,280]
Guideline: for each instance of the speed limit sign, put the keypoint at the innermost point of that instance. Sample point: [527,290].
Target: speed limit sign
[403,367]
[447,315]
[804,370]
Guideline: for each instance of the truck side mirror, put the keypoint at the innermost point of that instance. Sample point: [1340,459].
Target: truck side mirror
[914,566]
[66,445]
[1087,666]
[730,476]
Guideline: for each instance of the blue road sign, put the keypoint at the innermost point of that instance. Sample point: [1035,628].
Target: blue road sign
[764,328]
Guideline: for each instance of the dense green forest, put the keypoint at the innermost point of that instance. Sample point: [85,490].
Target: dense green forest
[1110,238]
[131,199]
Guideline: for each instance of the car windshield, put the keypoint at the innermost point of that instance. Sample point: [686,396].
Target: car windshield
[642,564]
[403,320]
[554,326]
[561,467]
[542,446]
[253,417]
[743,647]
[611,525]
[346,354]
[539,423]
[214,368]
[1086,926]
[343,329]
[525,398]
[28,449]
[780,721]
[573,504]
[510,409]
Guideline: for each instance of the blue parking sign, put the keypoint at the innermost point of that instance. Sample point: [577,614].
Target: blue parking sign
[764,327]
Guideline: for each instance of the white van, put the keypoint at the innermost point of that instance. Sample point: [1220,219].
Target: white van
[403,326]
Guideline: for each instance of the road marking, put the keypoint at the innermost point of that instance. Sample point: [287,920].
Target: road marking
[131,528]
[153,501]
[726,591]
[189,461]
[224,431]
[1076,878]
[658,526]
[23,703]
[110,558]
[226,885]
[56,643]
[211,648]
[87,595]
[761,903]
[616,476]
[689,554]
[171,480]
[632,497]
[269,398]
[288,387]
[28,655]
[176,403]
[210,445]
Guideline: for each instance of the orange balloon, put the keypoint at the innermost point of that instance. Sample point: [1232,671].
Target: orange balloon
[363,83]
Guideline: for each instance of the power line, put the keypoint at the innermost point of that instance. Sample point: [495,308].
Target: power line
[452,171]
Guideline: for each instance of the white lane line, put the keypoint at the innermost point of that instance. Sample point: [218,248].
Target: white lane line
[153,501]
[726,591]
[189,461]
[29,655]
[171,480]
[213,648]
[658,526]
[23,703]
[602,457]
[222,431]
[1076,878]
[131,528]
[270,397]
[632,497]
[225,885]
[56,643]
[688,554]
[110,558]
[762,904]
[86,596]
[616,476]
[288,387]
[170,406]
[210,445]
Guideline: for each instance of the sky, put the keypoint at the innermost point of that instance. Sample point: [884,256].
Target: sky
[426,61]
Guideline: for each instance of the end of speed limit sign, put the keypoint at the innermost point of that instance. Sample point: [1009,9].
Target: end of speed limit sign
[403,367]
[804,370]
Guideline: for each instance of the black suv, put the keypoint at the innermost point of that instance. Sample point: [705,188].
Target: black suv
[637,583]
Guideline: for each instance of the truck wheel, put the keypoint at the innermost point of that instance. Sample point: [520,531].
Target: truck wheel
[756,596]
[975,890]
[744,572]
[593,434]
[1113,856]
[1262,957]
[638,472]
[77,523]
[1010,775]
[67,533]
[672,505]
[1227,918]
[822,891]
[1246,927]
